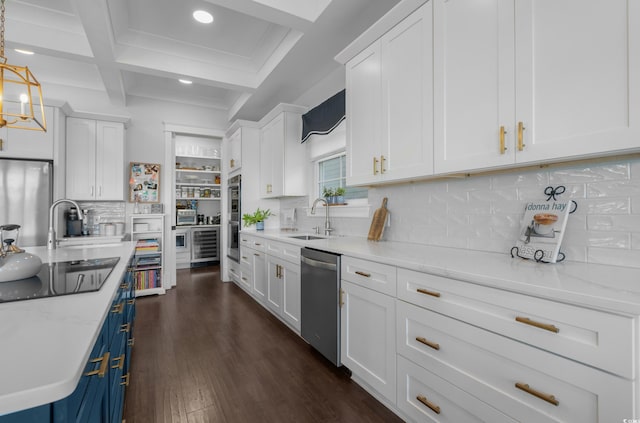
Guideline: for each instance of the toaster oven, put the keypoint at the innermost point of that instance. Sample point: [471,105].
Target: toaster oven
[186,217]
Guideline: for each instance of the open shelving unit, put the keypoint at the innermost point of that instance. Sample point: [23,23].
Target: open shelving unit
[147,231]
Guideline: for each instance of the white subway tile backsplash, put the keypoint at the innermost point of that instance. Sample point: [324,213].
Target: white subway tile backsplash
[484,212]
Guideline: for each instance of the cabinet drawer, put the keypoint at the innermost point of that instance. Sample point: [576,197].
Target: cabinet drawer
[488,366]
[425,397]
[600,339]
[376,276]
[234,271]
[246,256]
[253,242]
[289,252]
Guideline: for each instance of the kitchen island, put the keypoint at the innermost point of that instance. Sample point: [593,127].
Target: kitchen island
[46,342]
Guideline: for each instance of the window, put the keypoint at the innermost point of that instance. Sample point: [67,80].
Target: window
[332,174]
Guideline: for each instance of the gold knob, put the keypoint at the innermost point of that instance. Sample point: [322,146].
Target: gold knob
[502,146]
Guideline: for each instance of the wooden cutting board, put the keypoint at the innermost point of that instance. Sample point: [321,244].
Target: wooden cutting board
[378,222]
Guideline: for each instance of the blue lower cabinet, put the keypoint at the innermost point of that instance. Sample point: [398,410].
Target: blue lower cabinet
[99,396]
[33,415]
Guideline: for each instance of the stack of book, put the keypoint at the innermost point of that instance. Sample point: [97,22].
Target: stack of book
[147,245]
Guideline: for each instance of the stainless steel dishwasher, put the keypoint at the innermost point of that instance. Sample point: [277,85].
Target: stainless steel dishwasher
[320,302]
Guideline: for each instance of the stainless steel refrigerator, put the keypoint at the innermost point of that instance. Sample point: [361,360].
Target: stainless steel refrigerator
[26,193]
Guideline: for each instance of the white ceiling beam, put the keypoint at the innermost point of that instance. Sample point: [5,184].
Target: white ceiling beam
[264,12]
[94,16]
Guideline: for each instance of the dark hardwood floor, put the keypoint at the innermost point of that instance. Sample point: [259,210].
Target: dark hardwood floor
[207,352]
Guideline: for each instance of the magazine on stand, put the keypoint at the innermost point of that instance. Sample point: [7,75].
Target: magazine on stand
[543,228]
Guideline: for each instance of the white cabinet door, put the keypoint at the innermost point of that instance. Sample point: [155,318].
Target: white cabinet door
[235,151]
[259,280]
[407,97]
[274,285]
[473,84]
[271,158]
[578,77]
[364,115]
[81,153]
[290,274]
[110,161]
[27,144]
[368,346]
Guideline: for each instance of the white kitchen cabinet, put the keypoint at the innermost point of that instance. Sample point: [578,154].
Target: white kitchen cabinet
[28,144]
[537,81]
[235,151]
[283,290]
[95,160]
[253,277]
[282,157]
[368,337]
[389,104]
[259,276]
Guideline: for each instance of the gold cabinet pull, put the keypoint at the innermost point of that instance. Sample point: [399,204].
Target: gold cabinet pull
[232,163]
[131,301]
[126,380]
[341,297]
[244,257]
[428,343]
[118,308]
[244,279]
[428,403]
[104,364]
[131,341]
[366,275]
[546,397]
[124,285]
[119,362]
[256,254]
[545,326]
[375,165]
[427,292]
[503,148]
[382,160]
[125,328]
[521,129]
[1,144]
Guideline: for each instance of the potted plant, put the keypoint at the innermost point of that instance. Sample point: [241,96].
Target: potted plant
[339,195]
[328,195]
[256,218]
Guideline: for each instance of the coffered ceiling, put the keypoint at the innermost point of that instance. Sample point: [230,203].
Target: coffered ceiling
[256,53]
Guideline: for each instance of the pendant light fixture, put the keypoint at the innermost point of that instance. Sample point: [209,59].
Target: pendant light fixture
[21,105]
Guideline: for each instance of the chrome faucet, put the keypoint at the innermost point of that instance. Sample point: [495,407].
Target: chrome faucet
[327,224]
[51,235]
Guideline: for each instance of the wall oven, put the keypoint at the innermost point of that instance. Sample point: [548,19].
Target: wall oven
[235,210]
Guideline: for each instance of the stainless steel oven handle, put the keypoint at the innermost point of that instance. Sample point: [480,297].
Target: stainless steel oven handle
[317,263]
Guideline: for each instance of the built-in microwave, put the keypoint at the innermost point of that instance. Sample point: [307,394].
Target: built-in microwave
[186,217]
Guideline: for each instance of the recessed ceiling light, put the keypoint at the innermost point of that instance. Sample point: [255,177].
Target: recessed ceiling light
[185,81]
[18,50]
[203,16]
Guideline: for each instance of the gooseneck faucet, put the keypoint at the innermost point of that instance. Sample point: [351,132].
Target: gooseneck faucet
[327,224]
[51,235]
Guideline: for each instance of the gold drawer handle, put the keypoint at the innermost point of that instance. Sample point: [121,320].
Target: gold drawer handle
[256,254]
[521,129]
[244,257]
[118,308]
[427,292]
[120,362]
[366,275]
[124,286]
[382,160]
[126,380]
[104,364]
[244,279]
[125,328]
[232,163]
[502,146]
[546,397]
[545,326]
[131,341]
[428,403]
[428,343]
[375,165]
[131,301]
[341,297]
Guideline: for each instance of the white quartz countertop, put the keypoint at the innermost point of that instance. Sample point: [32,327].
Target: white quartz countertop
[605,287]
[45,342]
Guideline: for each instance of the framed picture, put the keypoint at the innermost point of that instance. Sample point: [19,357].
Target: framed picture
[144,183]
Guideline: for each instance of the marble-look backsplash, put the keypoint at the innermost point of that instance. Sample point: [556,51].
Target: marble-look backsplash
[484,212]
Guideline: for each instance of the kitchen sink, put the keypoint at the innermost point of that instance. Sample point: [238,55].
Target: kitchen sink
[307,237]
